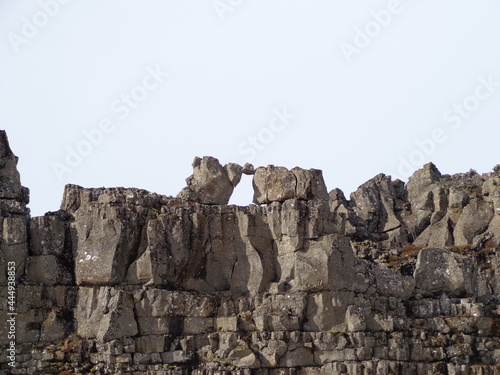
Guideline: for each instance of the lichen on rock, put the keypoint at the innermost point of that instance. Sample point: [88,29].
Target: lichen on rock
[400,278]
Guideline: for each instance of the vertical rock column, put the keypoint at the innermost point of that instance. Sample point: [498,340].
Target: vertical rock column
[14,217]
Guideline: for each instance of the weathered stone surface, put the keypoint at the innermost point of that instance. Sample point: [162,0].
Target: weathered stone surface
[277,184]
[14,245]
[474,220]
[326,311]
[48,234]
[310,184]
[107,232]
[273,184]
[248,169]
[105,313]
[374,202]
[390,283]
[49,270]
[210,182]
[160,284]
[10,180]
[355,319]
[439,270]
[329,264]
[426,197]
[437,235]
[57,326]
[234,172]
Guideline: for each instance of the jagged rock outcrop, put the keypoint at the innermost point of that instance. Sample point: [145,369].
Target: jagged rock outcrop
[13,213]
[439,270]
[211,183]
[401,278]
[278,184]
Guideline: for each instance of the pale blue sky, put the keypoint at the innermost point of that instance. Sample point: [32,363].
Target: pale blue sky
[169,80]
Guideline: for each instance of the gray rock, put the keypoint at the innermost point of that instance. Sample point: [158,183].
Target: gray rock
[273,184]
[437,235]
[440,270]
[326,310]
[105,313]
[107,230]
[10,180]
[57,326]
[234,172]
[390,283]
[168,284]
[427,198]
[278,184]
[210,182]
[310,184]
[474,220]
[374,202]
[47,235]
[49,270]
[355,319]
[248,169]
[329,264]
[14,245]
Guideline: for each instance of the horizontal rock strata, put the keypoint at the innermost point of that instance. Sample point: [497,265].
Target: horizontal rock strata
[400,278]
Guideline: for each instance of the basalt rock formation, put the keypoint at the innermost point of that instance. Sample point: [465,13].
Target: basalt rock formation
[398,279]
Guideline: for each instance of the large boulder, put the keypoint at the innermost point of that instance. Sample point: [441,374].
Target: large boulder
[376,204]
[441,271]
[437,235]
[273,184]
[105,313]
[329,263]
[278,184]
[211,183]
[473,221]
[428,199]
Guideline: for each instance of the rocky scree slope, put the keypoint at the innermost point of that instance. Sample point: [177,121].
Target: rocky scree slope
[401,278]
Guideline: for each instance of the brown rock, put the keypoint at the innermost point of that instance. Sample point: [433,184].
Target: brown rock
[248,169]
[277,184]
[210,183]
[310,184]
[273,184]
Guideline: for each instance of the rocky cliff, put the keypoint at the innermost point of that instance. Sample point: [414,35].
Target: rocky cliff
[398,279]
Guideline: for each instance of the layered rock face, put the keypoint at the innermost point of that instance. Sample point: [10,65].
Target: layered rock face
[400,278]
